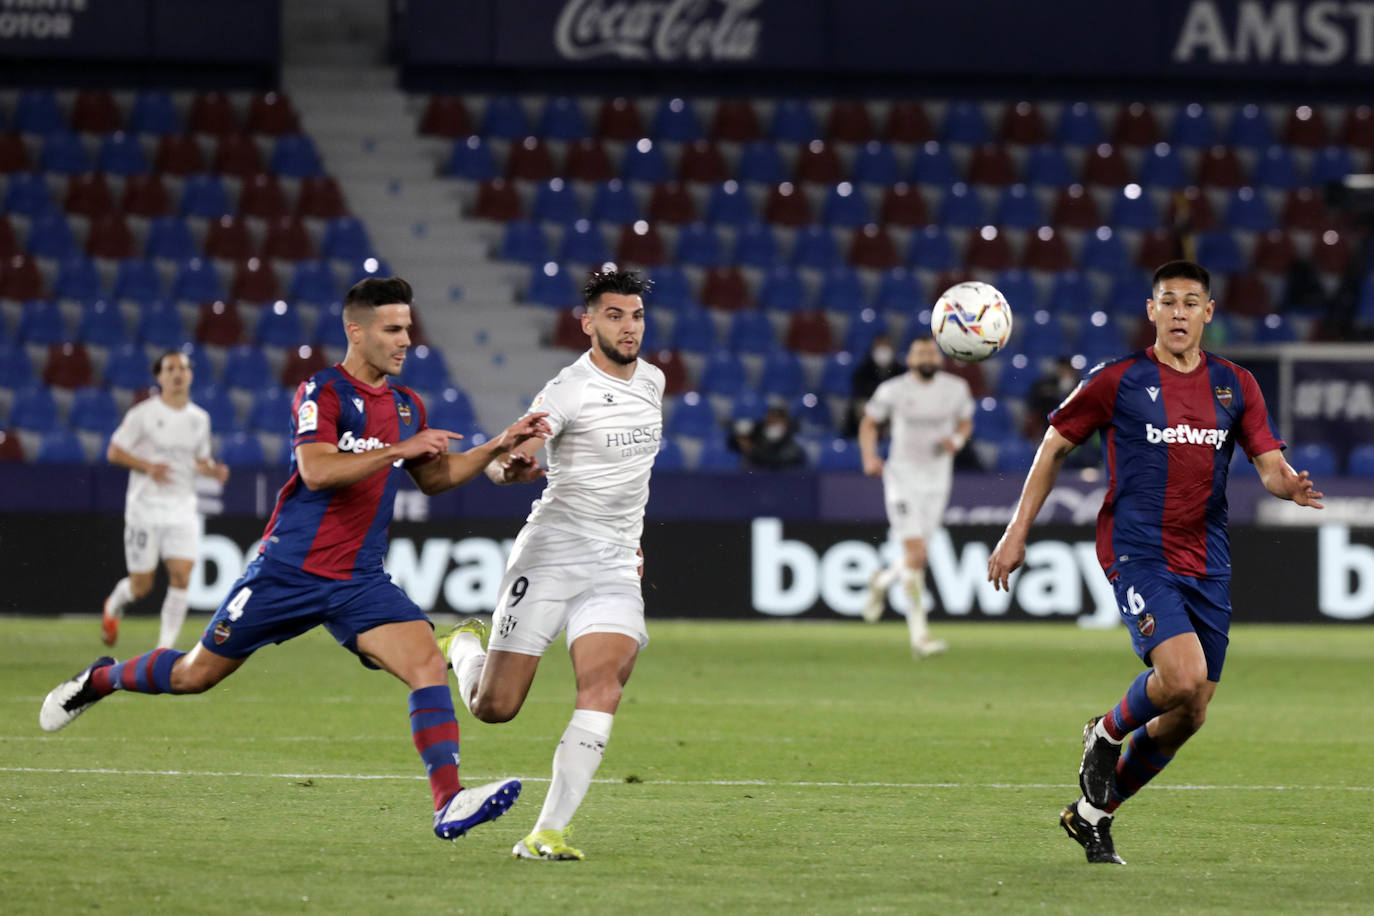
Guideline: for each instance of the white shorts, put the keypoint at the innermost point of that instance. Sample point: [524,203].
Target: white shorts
[145,544]
[555,581]
[913,511]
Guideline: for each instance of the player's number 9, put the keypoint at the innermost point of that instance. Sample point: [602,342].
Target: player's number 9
[518,589]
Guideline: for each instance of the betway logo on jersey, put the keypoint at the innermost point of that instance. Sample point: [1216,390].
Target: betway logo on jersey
[1183,434]
[350,443]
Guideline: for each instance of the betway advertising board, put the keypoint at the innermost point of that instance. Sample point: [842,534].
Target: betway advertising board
[759,568]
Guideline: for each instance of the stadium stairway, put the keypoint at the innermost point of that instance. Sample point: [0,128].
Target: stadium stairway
[365,130]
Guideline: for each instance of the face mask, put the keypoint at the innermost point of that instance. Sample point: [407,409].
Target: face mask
[883,356]
[927,371]
[774,433]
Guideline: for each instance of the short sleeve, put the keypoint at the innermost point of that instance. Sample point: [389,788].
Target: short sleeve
[879,407]
[1257,432]
[559,400]
[963,408]
[130,430]
[203,441]
[1088,408]
[314,414]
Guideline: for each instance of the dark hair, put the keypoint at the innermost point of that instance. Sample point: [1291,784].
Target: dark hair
[922,337]
[375,291]
[157,363]
[1187,270]
[624,282]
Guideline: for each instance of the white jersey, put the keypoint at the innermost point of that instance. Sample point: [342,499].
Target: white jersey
[606,433]
[922,415]
[177,437]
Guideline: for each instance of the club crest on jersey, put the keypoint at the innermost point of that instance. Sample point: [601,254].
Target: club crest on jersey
[221,633]
[403,410]
[1223,395]
[507,625]
[1146,625]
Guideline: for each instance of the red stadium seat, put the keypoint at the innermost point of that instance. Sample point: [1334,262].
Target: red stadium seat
[110,237]
[817,162]
[237,154]
[971,373]
[586,160]
[736,120]
[988,249]
[271,113]
[1075,208]
[497,200]
[88,194]
[1046,250]
[288,240]
[725,288]
[1331,251]
[1303,208]
[14,156]
[618,119]
[903,205]
[68,366]
[702,162]
[211,113]
[907,123]
[1144,335]
[8,244]
[670,203]
[787,206]
[146,195]
[255,281]
[1274,252]
[1021,123]
[1190,210]
[947,278]
[11,449]
[301,363]
[320,198]
[530,160]
[675,378]
[1135,126]
[990,164]
[567,330]
[95,112]
[872,247]
[1247,294]
[1305,127]
[808,331]
[849,122]
[1156,247]
[1357,131]
[1220,168]
[1103,164]
[640,244]
[446,116]
[228,238]
[179,154]
[262,196]
[21,279]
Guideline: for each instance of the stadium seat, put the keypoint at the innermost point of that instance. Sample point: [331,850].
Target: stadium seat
[41,323]
[618,119]
[36,112]
[68,366]
[698,245]
[1098,339]
[871,246]
[818,163]
[1276,168]
[287,239]
[237,155]
[672,289]
[204,196]
[782,289]
[555,202]
[471,158]
[640,244]
[160,324]
[179,154]
[1042,336]
[498,201]
[961,206]
[346,239]
[903,205]
[1331,251]
[934,165]
[692,417]
[1331,164]
[1070,294]
[751,332]
[1018,208]
[812,414]
[1220,252]
[1249,210]
[1191,209]
[34,409]
[50,236]
[614,203]
[550,285]
[669,203]
[676,120]
[1162,167]
[931,249]
[793,122]
[1249,127]
[583,243]
[787,205]
[272,113]
[1018,287]
[1304,209]
[146,195]
[670,456]
[101,324]
[735,120]
[1014,456]
[840,454]
[1273,253]
[1157,246]
[1022,124]
[301,363]
[755,246]
[1305,127]
[319,196]
[644,161]
[450,408]
[378,267]
[837,374]
[990,164]
[14,159]
[242,449]
[11,448]
[529,159]
[987,249]
[875,163]
[561,119]
[1220,167]
[169,238]
[725,288]
[760,163]
[313,282]
[717,456]
[445,116]
[63,152]
[246,367]
[899,290]
[329,329]
[862,328]
[110,237]
[815,247]
[1046,166]
[1133,208]
[261,195]
[1360,461]
[1075,208]
[88,195]
[964,123]
[279,325]
[1046,250]
[77,278]
[211,113]
[1079,125]
[1127,294]
[722,374]
[219,324]
[254,281]
[20,279]
[60,446]
[694,331]
[1357,130]
[808,331]
[504,117]
[845,206]
[9,245]
[1135,126]
[120,153]
[93,410]
[749,405]
[425,369]
[1316,458]
[228,238]
[1103,250]
[153,112]
[1192,127]
[907,123]
[127,367]
[729,205]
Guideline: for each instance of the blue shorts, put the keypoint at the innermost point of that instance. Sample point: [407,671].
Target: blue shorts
[1157,604]
[274,602]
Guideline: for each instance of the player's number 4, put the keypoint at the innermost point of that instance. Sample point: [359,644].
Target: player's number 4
[1135,603]
[235,607]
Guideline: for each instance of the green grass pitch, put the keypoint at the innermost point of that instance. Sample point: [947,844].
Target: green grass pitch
[755,767]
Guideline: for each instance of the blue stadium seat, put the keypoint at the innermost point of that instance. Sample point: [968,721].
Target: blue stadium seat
[128,367]
[63,152]
[729,205]
[136,279]
[1249,210]
[34,409]
[40,322]
[120,153]
[748,405]
[782,375]
[552,286]
[279,325]
[815,247]
[169,237]
[614,203]
[36,112]
[1016,374]
[1018,287]
[153,112]
[961,206]
[60,446]
[197,280]
[1360,461]
[370,267]
[793,122]
[215,400]
[1079,125]
[676,120]
[1127,293]
[1099,338]
[931,249]
[693,417]
[504,117]
[271,410]
[934,165]
[862,328]
[1249,127]
[837,375]
[312,282]
[1047,166]
[425,369]
[964,123]
[755,246]
[329,329]
[583,243]
[1330,164]
[50,236]
[670,456]
[1133,208]
[27,193]
[782,289]
[1041,336]
[1018,208]
[204,196]
[644,161]
[345,239]
[246,367]
[698,245]
[1192,127]
[202,369]
[671,290]
[1103,250]
[760,162]
[1162,167]
[875,163]
[77,278]
[523,241]
[242,449]
[101,323]
[845,206]
[16,369]
[561,119]
[812,413]
[653,339]
[471,158]
[992,420]
[160,324]
[840,454]
[94,410]
[295,156]
[717,457]
[1220,252]
[722,373]
[751,332]
[1276,168]
[451,409]
[1014,456]
[1364,307]
[899,290]
[1317,458]
[1274,328]
[556,202]
[1071,294]
[841,290]
[694,331]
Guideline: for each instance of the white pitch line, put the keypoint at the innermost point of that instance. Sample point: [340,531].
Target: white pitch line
[761,783]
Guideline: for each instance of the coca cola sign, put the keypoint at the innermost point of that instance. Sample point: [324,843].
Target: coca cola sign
[659,30]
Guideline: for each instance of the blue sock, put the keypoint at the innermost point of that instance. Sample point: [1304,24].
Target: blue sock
[150,672]
[1140,762]
[1134,710]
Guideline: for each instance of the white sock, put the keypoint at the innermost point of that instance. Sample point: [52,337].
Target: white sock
[574,764]
[1090,814]
[1101,732]
[173,616]
[913,581]
[884,579]
[121,597]
[467,658]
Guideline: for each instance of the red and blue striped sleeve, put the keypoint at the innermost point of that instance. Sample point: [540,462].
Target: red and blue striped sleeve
[315,414]
[1091,405]
[1257,433]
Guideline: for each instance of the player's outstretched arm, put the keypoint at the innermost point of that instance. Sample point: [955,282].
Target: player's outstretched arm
[1279,478]
[1010,552]
[323,467]
[457,469]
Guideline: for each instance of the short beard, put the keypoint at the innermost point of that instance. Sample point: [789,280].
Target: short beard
[927,372]
[613,354]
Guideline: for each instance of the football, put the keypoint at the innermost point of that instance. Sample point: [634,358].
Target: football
[971,321]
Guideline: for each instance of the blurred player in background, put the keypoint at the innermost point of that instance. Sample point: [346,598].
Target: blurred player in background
[576,564]
[929,414]
[321,555]
[1170,418]
[164,441]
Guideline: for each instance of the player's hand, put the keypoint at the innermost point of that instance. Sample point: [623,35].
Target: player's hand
[1006,558]
[639,552]
[1305,492]
[530,426]
[161,473]
[873,467]
[521,468]
[426,443]
[949,445]
[220,472]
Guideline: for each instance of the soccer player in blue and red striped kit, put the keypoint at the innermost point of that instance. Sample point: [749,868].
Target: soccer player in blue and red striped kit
[321,555]
[1170,417]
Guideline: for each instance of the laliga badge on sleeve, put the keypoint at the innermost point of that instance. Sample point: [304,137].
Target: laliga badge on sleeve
[308,417]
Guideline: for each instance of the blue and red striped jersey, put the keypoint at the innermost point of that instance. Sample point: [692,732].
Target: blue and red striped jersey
[1167,441]
[341,532]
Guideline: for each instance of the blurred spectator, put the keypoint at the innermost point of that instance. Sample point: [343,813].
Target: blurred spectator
[1047,393]
[877,366]
[770,443]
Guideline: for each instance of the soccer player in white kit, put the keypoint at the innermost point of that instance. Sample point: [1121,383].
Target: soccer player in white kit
[576,565]
[164,442]
[930,415]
